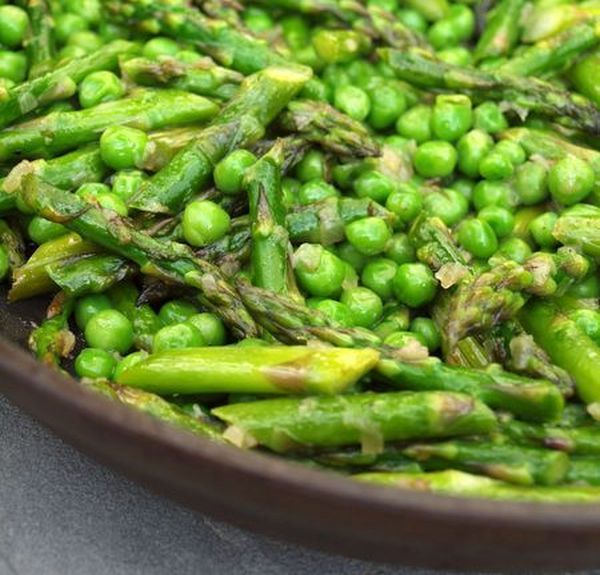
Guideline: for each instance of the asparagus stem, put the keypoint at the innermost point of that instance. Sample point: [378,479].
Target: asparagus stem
[40,43]
[501,31]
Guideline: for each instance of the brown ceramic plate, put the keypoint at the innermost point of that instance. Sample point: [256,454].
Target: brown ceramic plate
[285,500]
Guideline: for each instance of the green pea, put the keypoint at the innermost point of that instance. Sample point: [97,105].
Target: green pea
[317,90]
[414,284]
[464,187]
[570,180]
[362,73]
[584,74]
[257,20]
[110,201]
[91,10]
[41,230]
[335,75]
[87,40]
[395,318]
[500,219]
[378,275]
[452,117]
[95,364]
[478,238]
[463,20]
[588,321]
[412,19]
[496,166]
[4,262]
[160,46]
[541,230]
[128,362]
[315,191]
[210,327]
[588,288]
[99,87]
[531,183]
[442,34]
[387,104]
[204,222]
[374,185]
[311,166]
[407,205]
[145,324]
[67,24]
[334,310]
[229,172]
[352,101]
[488,193]
[109,330]
[13,25]
[401,339]
[513,151]
[387,5]
[88,306]
[435,159]
[339,46]
[177,311]
[428,331]
[368,235]
[472,148]
[456,55]
[296,31]
[364,305]
[127,183]
[415,124]
[71,52]
[177,336]
[90,191]
[489,118]
[515,249]
[347,252]
[122,147]
[13,66]
[399,249]
[447,204]
[319,272]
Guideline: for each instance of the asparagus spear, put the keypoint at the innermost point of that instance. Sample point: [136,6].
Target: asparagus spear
[579,226]
[13,243]
[240,123]
[154,257]
[567,345]
[518,465]
[156,407]
[39,44]
[354,460]
[61,131]
[501,31]
[269,370]
[522,95]
[61,83]
[584,471]
[461,484]
[52,340]
[367,419]
[203,77]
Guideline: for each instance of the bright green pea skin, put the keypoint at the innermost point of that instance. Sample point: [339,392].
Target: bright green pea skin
[90,191]
[428,331]
[496,166]
[570,180]
[177,311]
[126,183]
[478,238]
[456,55]
[435,159]
[13,26]
[87,40]
[110,201]
[40,230]
[472,148]
[447,204]
[177,336]
[210,327]
[4,262]
[160,46]
[541,230]
[414,284]
[229,172]
[204,222]
[91,10]
[374,185]
[109,330]
[531,183]
[67,24]
[296,31]
[122,147]
[311,166]
[400,249]
[588,288]
[378,275]
[584,77]
[387,104]
[501,220]
[95,364]
[489,118]
[487,193]
[13,66]
[463,19]
[334,310]
[513,151]
[315,191]
[334,75]
[515,249]
[98,87]
[349,254]
[452,117]
[70,52]
[257,20]
[402,339]
[415,124]
[406,204]
[319,272]
[364,304]
[368,235]
[443,33]
[88,306]
[463,186]
[352,101]
[588,321]
[128,362]
[412,19]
